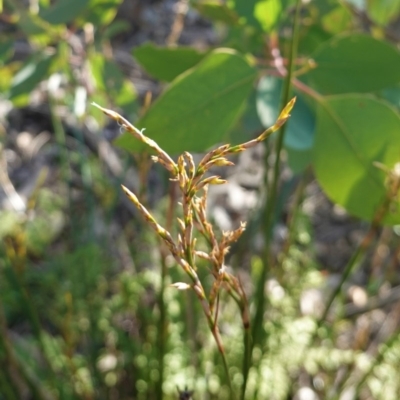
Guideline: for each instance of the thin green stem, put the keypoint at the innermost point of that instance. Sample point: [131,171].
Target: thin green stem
[162,330]
[343,278]
[246,359]
[272,197]
[226,368]
[162,323]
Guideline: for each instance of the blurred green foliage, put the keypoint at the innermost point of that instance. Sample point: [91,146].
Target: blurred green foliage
[79,317]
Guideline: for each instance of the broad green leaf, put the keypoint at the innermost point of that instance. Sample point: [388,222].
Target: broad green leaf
[261,14]
[166,63]
[353,132]
[199,107]
[249,125]
[354,63]
[311,38]
[247,41]
[383,11]
[298,160]
[392,95]
[63,11]
[217,11]
[267,13]
[30,75]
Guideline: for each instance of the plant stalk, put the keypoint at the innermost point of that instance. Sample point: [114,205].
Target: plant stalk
[272,197]
[162,323]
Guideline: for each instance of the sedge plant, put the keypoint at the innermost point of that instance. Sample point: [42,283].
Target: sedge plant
[193,181]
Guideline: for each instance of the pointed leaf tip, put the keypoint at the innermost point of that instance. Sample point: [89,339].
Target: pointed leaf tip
[288,108]
[130,195]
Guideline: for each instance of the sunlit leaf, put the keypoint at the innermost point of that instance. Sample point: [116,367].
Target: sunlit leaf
[383,11]
[353,132]
[200,106]
[354,63]
[267,13]
[166,63]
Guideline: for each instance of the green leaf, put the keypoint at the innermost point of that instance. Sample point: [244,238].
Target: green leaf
[30,75]
[102,12]
[261,14]
[249,125]
[392,95]
[383,11]
[353,132]
[267,13]
[111,81]
[354,63]
[244,40]
[217,11]
[199,107]
[245,9]
[166,63]
[311,38]
[63,11]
